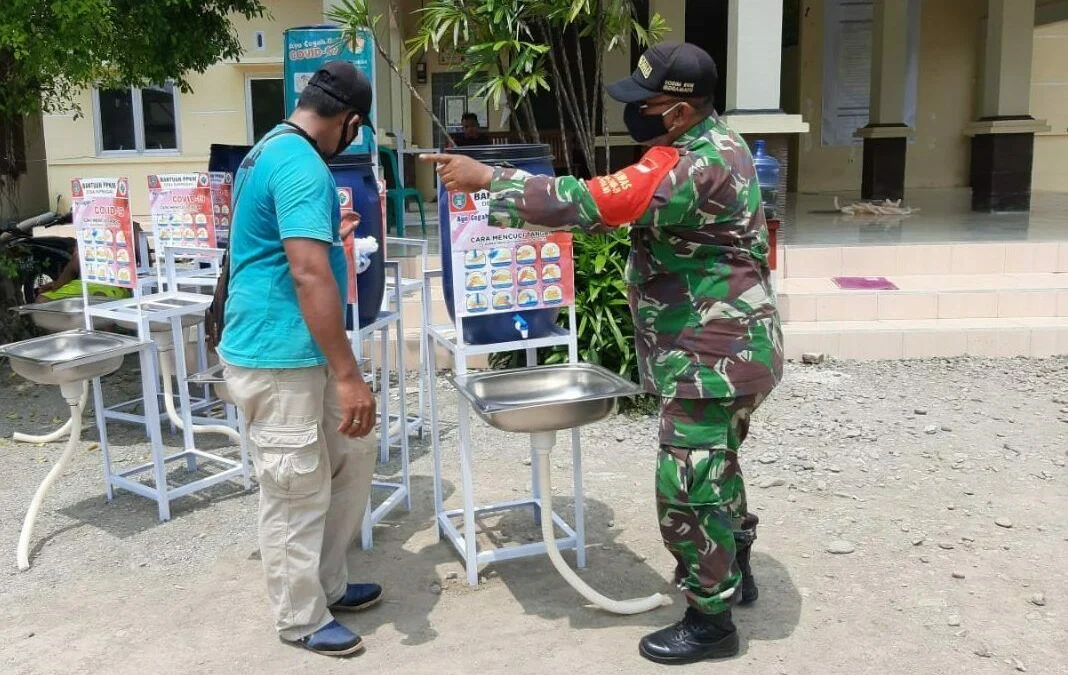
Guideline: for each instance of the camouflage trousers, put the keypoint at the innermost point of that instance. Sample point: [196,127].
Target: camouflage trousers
[700,495]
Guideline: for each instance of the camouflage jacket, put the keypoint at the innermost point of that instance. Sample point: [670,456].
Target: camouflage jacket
[699,283]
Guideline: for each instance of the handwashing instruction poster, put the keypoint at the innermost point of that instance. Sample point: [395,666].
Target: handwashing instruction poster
[503,270]
[182,210]
[222,192]
[344,197]
[104,228]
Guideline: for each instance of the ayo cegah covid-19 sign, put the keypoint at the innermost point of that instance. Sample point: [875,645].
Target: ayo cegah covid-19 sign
[308,48]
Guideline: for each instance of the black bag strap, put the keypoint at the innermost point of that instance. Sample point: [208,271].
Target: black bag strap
[214,317]
[292,129]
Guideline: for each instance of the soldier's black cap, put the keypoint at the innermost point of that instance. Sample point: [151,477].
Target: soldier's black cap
[683,70]
[343,82]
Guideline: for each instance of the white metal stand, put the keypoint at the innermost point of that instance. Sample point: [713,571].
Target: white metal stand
[409,287]
[449,336]
[162,307]
[389,315]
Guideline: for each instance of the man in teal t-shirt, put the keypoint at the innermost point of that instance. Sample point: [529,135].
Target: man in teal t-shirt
[290,367]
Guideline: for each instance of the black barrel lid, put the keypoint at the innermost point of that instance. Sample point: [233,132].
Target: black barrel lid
[504,154]
[349,160]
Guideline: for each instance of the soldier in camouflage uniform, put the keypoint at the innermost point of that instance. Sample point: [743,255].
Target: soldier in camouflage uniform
[708,335]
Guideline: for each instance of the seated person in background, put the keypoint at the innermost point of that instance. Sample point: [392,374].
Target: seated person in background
[69,284]
[472,132]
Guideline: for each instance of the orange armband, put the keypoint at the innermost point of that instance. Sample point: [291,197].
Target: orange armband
[625,195]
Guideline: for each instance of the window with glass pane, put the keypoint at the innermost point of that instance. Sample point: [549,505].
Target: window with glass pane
[117,120]
[158,114]
[267,105]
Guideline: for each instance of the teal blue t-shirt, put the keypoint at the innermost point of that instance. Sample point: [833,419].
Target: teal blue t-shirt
[282,190]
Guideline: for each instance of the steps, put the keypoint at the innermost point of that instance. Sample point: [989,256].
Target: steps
[997,300]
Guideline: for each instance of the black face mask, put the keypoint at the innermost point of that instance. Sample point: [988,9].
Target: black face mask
[644,128]
[342,144]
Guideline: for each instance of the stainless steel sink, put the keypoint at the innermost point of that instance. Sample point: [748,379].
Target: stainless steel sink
[544,398]
[160,305]
[67,357]
[61,315]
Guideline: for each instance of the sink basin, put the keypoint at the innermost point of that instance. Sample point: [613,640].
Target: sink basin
[543,398]
[72,356]
[61,315]
[188,320]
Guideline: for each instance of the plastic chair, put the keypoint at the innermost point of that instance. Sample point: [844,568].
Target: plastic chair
[397,196]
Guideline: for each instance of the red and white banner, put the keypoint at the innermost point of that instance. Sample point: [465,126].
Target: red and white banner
[104,227]
[182,210]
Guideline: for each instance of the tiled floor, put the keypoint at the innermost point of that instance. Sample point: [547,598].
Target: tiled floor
[944,216]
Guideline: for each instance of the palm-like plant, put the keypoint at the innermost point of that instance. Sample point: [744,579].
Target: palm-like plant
[354,17]
[499,50]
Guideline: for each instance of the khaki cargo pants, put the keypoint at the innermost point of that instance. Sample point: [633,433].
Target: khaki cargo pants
[314,487]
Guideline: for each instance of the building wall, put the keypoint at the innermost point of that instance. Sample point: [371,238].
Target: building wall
[1049,101]
[213,112]
[949,48]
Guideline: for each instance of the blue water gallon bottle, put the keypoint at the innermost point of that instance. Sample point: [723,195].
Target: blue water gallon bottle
[767,170]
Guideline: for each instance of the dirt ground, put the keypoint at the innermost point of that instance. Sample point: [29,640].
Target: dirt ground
[945,479]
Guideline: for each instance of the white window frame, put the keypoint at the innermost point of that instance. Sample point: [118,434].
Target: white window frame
[249,131]
[139,127]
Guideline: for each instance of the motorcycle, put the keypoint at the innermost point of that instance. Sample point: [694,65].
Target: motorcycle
[37,260]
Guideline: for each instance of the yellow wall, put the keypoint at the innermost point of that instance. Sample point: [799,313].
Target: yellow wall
[948,69]
[214,112]
[1049,101]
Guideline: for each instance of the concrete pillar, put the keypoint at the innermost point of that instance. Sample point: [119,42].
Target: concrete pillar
[753,73]
[754,56]
[1003,138]
[886,135]
[754,68]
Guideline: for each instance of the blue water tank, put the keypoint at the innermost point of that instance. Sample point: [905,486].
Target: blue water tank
[484,330]
[357,173]
[227,158]
[767,169]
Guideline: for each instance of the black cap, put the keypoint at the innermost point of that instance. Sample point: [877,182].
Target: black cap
[346,84]
[683,70]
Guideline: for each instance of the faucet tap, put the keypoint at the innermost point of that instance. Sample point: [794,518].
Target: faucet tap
[521,326]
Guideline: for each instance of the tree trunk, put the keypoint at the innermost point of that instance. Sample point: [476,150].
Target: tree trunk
[528,112]
[598,81]
[558,93]
[13,328]
[582,131]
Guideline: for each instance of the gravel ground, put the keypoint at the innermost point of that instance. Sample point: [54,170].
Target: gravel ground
[913,521]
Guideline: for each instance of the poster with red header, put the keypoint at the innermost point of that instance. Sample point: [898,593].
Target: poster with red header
[222,193]
[181,208]
[104,228]
[344,197]
[503,270]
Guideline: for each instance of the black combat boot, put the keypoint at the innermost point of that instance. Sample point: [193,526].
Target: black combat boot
[695,638]
[744,539]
